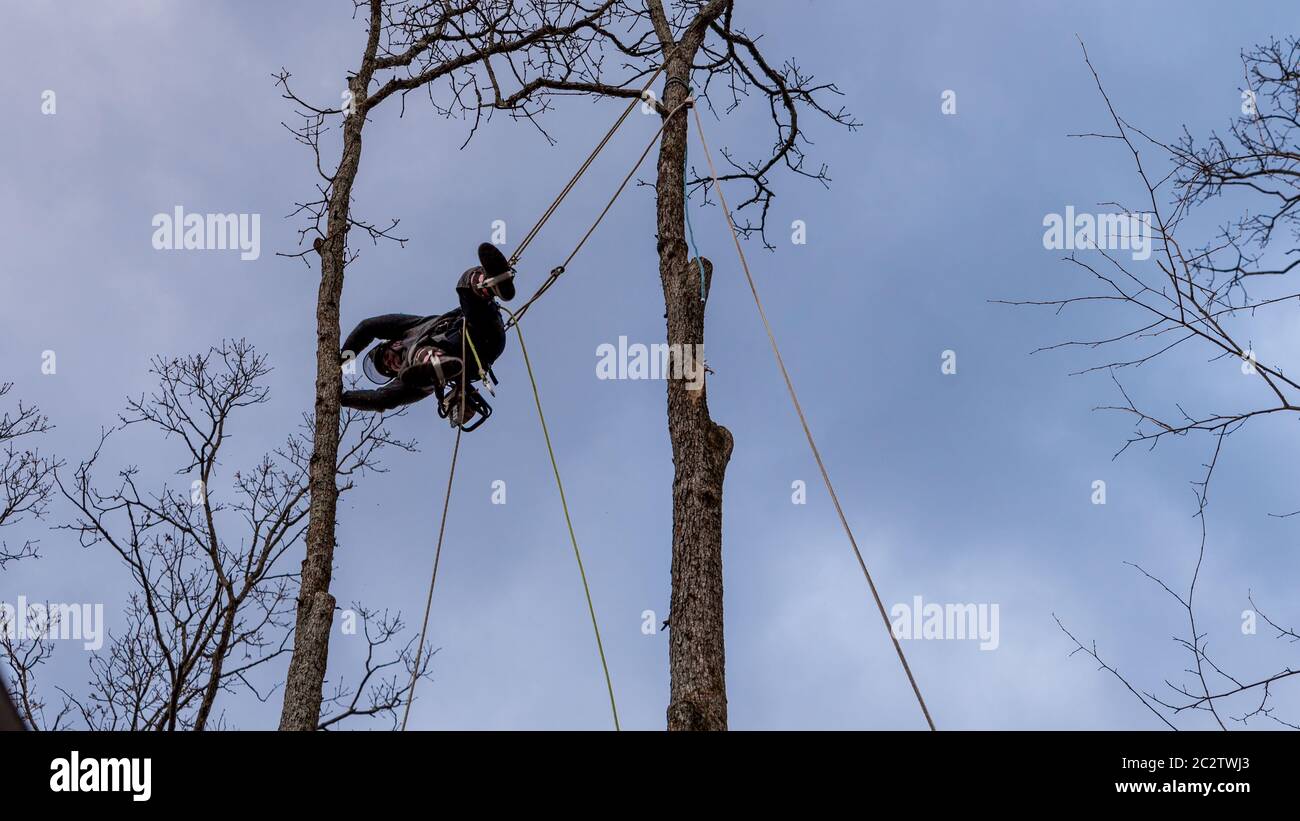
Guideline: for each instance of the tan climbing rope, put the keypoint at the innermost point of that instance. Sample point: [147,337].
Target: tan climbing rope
[767,326]
[437,553]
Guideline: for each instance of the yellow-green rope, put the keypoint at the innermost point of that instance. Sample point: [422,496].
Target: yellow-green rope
[577,554]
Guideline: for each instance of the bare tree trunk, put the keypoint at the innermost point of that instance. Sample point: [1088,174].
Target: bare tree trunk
[304,684]
[701,450]
[9,718]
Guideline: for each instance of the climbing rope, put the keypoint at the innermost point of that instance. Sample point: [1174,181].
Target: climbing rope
[516,316]
[437,553]
[563,266]
[582,169]
[482,371]
[767,326]
[568,521]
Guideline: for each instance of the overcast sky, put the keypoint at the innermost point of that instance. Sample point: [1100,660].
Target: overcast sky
[974,487]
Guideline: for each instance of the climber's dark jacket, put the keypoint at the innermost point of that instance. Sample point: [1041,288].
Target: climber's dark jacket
[443,331]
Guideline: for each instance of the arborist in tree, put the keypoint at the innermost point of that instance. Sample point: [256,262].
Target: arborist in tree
[419,356]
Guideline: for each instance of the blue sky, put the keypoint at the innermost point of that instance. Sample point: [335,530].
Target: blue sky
[973,487]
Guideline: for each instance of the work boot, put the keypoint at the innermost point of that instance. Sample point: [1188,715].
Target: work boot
[493,261]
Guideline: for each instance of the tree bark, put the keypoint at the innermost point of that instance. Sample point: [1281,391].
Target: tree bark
[219,654]
[305,682]
[9,717]
[701,450]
